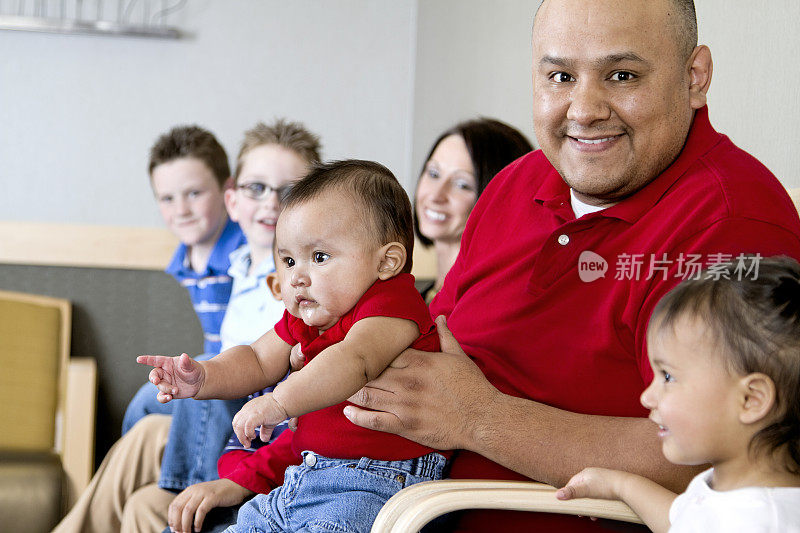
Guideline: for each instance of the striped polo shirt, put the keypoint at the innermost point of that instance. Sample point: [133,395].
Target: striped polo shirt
[210,289]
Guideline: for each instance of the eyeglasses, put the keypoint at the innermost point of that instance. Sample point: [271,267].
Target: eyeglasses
[260,191]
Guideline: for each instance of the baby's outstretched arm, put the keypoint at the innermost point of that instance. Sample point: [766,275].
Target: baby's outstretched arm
[646,498]
[332,376]
[234,373]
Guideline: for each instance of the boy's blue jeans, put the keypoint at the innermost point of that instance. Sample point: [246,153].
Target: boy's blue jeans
[323,494]
[197,435]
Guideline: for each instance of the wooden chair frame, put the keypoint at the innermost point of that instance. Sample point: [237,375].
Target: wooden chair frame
[413,507]
[76,402]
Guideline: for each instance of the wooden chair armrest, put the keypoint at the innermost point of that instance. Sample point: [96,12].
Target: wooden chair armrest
[79,421]
[411,508]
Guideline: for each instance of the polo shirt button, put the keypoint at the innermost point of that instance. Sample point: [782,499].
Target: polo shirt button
[563,239]
[310,459]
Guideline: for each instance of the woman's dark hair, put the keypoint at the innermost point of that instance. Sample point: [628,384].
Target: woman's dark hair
[491,144]
[755,318]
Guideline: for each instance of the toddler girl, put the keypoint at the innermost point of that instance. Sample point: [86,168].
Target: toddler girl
[726,392]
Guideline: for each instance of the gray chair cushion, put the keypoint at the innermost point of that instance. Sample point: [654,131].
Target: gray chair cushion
[32,491]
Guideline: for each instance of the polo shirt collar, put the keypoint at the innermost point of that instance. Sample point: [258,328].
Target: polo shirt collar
[227,243]
[218,263]
[554,192]
[241,260]
[702,137]
[177,265]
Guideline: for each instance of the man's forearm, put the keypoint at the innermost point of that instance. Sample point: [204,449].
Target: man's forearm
[551,445]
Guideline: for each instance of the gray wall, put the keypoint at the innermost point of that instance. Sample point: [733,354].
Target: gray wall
[376,78]
[754,93]
[78,113]
[473,58]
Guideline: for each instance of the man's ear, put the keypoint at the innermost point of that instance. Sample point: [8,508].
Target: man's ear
[274,285]
[230,183]
[392,260]
[757,397]
[700,69]
[230,203]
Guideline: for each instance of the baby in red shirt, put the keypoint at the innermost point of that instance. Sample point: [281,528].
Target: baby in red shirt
[344,243]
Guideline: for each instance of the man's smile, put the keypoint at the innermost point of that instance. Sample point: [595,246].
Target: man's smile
[592,144]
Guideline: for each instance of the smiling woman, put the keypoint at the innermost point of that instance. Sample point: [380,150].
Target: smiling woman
[459,166]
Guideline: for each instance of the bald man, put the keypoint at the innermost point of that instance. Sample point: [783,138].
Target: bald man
[569,249]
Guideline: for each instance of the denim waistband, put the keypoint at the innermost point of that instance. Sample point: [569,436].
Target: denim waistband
[430,465]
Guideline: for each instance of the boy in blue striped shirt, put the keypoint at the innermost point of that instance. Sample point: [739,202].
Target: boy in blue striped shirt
[188,172]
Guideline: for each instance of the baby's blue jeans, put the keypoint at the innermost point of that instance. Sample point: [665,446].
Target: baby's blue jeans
[197,435]
[323,494]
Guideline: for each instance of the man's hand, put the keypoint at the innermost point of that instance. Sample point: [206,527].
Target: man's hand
[263,411]
[190,507]
[175,377]
[435,399]
[593,483]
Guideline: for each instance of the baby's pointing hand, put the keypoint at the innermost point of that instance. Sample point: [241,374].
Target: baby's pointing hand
[175,377]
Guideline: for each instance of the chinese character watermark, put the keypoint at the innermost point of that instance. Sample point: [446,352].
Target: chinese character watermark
[637,266]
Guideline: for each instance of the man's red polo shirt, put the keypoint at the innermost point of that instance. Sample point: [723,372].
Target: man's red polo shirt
[540,328]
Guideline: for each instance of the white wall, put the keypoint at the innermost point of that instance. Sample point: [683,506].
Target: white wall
[78,113]
[473,57]
[755,92]
[377,79]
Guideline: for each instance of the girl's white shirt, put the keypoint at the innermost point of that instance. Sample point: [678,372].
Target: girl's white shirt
[702,509]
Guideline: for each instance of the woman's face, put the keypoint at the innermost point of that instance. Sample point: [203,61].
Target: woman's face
[447,191]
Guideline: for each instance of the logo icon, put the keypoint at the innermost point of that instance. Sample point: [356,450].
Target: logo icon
[591,266]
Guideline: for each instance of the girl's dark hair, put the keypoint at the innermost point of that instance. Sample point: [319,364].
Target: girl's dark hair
[491,145]
[756,318]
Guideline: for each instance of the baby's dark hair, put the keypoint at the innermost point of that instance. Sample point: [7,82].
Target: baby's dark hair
[191,141]
[384,205]
[757,321]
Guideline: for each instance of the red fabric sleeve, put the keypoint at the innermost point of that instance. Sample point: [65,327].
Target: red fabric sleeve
[229,461]
[395,297]
[283,330]
[262,470]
